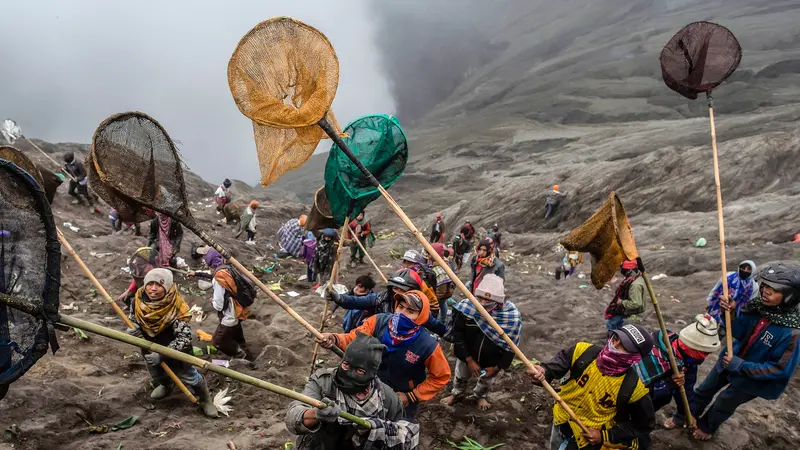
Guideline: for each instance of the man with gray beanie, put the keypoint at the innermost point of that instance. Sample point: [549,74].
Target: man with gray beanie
[352,387]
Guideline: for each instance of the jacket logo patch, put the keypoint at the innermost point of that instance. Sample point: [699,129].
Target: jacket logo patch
[411,357]
[767,339]
[607,401]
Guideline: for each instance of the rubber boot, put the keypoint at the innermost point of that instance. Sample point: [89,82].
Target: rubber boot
[160,392]
[205,398]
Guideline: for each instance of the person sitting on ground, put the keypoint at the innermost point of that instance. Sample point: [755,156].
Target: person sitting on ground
[79,184]
[309,248]
[603,390]
[139,264]
[480,351]
[485,262]
[161,316]
[222,196]
[765,350]
[372,303]
[467,232]
[165,237]
[413,363]
[324,255]
[290,237]
[444,286]
[437,229]
[496,236]
[353,387]
[363,229]
[414,260]
[554,198]
[742,288]
[628,301]
[229,335]
[572,259]
[691,347]
[248,222]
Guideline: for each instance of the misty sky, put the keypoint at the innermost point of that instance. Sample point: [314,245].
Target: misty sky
[67,65]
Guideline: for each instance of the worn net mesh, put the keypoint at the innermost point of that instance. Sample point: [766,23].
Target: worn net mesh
[380,144]
[129,210]
[134,156]
[283,75]
[699,57]
[320,216]
[607,236]
[29,272]
[22,161]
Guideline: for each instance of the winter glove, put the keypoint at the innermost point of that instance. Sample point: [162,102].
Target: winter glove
[330,414]
[153,359]
[335,297]
[135,332]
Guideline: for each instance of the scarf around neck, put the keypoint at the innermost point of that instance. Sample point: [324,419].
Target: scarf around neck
[400,333]
[614,363]
[155,316]
[775,314]
[506,315]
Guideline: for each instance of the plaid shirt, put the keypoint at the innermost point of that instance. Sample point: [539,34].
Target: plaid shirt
[507,316]
[290,237]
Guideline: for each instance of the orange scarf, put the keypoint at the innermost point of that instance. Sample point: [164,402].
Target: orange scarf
[225,279]
[155,316]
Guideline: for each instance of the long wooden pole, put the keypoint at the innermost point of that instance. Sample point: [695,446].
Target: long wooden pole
[721,221]
[371,261]
[438,259]
[101,290]
[670,355]
[174,354]
[51,159]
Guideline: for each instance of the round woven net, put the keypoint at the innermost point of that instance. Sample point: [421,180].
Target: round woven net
[320,216]
[134,157]
[22,161]
[380,144]
[129,210]
[699,57]
[29,272]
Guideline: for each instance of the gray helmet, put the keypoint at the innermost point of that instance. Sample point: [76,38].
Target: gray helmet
[414,257]
[784,277]
[405,280]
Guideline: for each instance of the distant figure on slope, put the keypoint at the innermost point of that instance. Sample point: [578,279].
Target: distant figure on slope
[742,288]
[444,286]
[324,255]
[290,237]
[79,187]
[248,222]
[139,265]
[116,224]
[222,196]
[363,232]
[437,229]
[554,198]
[309,248]
[485,262]
[496,237]
[467,232]
[165,237]
[460,249]
[571,261]
[629,300]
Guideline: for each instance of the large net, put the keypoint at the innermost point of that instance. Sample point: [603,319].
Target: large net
[142,261]
[129,211]
[320,216]
[22,161]
[380,144]
[699,57]
[607,236]
[29,272]
[134,157]
[283,75]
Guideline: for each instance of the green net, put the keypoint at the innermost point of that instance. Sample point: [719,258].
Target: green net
[380,144]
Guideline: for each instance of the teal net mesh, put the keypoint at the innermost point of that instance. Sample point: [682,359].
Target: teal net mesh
[380,144]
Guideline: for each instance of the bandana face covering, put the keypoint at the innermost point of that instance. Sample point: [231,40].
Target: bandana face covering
[612,362]
[400,333]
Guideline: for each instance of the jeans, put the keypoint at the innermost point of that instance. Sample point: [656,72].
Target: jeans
[356,253]
[443,311]
[723,407]
[251,235]
[410,411]
[550,211]
[560,441]
[615,323]
[310,275]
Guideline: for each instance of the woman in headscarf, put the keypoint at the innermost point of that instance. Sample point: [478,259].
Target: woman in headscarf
[248,222]
[742,288]
[484,262]
[161,316]
[165,237]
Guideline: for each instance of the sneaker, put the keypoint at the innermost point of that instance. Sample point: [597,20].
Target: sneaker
[75,202]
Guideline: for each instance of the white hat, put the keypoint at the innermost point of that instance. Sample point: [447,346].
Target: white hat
[160,276]
[702,334]
[491,288]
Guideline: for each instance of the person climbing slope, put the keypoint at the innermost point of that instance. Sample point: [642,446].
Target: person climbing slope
[628,300]
[485,262]
[603,390]
[437,229]
[248,222]
[324,255]
[290,237]
[161,316]
[742,288]
[363,229]
[309,248]
[79,186]
[413,362]
[229,335]
[766,333]
[553,199]
[467,232]
[222,196]
[481,352]
[496,236]
[353,387]
[165,237]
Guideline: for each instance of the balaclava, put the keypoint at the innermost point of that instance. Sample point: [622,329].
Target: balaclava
[364,352]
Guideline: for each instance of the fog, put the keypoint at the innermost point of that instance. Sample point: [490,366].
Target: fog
[66,66]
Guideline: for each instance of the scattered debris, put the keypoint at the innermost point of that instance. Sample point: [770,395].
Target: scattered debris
[125,424]
[198,315]
[701,243]
[203,336]
[302,278]
[221,362]
[80,333]
[220,402]
[660,276]
[293,294]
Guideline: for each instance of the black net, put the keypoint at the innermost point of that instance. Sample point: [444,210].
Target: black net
[22,161]
[29,272]
[320,216]
[134,156]
[699,57]
[129,210]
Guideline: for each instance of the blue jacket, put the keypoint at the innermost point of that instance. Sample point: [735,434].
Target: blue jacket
[769,364]
[363,306]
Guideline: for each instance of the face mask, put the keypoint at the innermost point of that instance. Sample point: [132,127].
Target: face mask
[613,349]
[489,307]
[744,275]
[350,382]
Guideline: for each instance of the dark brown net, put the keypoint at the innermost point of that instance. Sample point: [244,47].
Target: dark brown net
[699,57]
[320,215]
[129,210]
[134,156]
[22,161]
[29,273]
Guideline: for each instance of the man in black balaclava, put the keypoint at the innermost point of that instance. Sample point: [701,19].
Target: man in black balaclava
[352,387]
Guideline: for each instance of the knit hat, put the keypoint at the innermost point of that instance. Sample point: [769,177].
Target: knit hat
[702,334]
[227,183]
[491,288]
[438,215]
[69,157]
[438,247]
[365,353]
[635,338]
[302,220]
[555,187]
[254,204]
[414,257]
[630,264]
[160,276]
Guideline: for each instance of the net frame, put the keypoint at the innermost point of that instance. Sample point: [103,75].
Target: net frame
[320,216]
[46,306]
[699,57]
[14,155]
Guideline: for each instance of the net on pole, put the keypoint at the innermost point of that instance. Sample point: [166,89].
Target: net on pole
[320,216]
[699,57]
[380,144]
[29,272]
[129,210]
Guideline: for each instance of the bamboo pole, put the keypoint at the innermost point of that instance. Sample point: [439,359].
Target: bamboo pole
[325,125]
[101,290]
[208,240]
[371,261]
[174,354]
[51,159]
[670,355]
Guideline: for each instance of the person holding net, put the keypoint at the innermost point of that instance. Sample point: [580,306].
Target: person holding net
[161,315]
[79,184]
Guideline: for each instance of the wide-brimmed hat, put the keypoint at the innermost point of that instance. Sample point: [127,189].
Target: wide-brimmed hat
[702,335]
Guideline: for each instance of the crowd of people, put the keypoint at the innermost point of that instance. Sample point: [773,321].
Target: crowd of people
[395,338]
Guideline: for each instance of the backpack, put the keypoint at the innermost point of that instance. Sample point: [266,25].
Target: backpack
[628,383]
[245,293]
[655,366]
